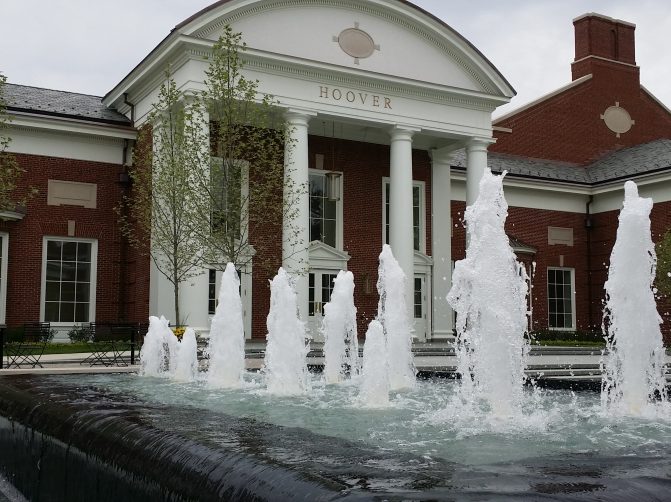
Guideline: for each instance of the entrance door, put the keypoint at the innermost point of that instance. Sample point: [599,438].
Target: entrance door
[319,294]
[419,308]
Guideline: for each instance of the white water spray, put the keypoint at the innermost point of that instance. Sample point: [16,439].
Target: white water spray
[285,364]
[341,347]
[393,315]
[227,335]
[489,295]
[633,366]
[159,350]
[186,360]
[374,387]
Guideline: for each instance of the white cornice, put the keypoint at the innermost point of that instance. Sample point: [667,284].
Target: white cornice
[601,58]
[324,72]
[71,126]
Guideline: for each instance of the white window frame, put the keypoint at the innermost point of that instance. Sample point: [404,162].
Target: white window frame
[422,213]
[4,259]
[244,194]
[339,205]
[93,278]
[573,304]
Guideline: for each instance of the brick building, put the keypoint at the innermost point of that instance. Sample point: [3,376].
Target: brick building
[408,143]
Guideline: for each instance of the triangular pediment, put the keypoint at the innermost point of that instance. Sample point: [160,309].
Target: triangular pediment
[385,37]
[325,256]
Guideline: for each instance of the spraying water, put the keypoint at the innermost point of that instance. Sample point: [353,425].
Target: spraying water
[633,366]
[227,336]
[159,350]
[393,315]
[285,365]
[186,360]
[489,295]
[341,347]
[374,387]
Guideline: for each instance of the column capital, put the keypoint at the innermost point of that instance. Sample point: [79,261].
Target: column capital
[402,133]
[442,157]
[297,117]
[479,144]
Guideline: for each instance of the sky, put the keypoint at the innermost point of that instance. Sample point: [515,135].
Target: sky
[89,46]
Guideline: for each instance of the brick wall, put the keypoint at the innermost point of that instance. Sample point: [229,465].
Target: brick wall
[26,236]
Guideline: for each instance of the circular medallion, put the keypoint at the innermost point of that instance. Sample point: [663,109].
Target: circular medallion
[356,43]
[617,119]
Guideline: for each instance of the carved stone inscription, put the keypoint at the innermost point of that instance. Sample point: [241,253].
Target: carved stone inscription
[360,98]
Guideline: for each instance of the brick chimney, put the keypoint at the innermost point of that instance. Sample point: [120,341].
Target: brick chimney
[602,41]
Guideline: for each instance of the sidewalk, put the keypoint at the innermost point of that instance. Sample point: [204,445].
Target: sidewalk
[547,363]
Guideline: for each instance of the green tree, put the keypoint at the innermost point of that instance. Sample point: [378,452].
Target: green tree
[663,250]
[243,191]
[162,203]
[10,170]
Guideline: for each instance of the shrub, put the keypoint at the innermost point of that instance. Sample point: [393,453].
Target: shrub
[79,334]
[545,335]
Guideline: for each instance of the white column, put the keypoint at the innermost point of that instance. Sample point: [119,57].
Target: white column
[400,208]
[296,222]
[476,162]
[441,243]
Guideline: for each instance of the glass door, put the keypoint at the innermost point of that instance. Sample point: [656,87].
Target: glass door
[319,294]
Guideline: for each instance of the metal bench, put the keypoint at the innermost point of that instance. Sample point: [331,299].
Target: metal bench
[27,347]
[109,343]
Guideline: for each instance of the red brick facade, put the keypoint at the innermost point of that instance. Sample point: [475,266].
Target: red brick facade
[120,294]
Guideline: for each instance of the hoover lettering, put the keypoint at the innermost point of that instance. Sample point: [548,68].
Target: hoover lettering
[355,97]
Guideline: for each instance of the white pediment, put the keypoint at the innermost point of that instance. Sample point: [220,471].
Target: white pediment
[326,257]
[422,262]
[386,37]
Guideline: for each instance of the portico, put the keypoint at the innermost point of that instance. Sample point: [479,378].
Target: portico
[377,73]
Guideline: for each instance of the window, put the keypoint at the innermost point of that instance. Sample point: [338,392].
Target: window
[212,292]
[320,287]
[561,300]
[230,194]
[325,214]
[419,306]
[418,235]
[3,276]
[69,280]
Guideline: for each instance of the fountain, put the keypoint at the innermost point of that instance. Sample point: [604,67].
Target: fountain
[285,366]
[489,295]
[634,363]
[159,351]
[341,346]
[374,388]
[186,358]
[393,315]
[226,346]
[289,435]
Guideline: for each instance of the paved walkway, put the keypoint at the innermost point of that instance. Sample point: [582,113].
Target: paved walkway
[572,364]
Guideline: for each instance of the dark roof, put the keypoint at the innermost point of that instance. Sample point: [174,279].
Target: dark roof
[621,164]
[628,162]
[60,104]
